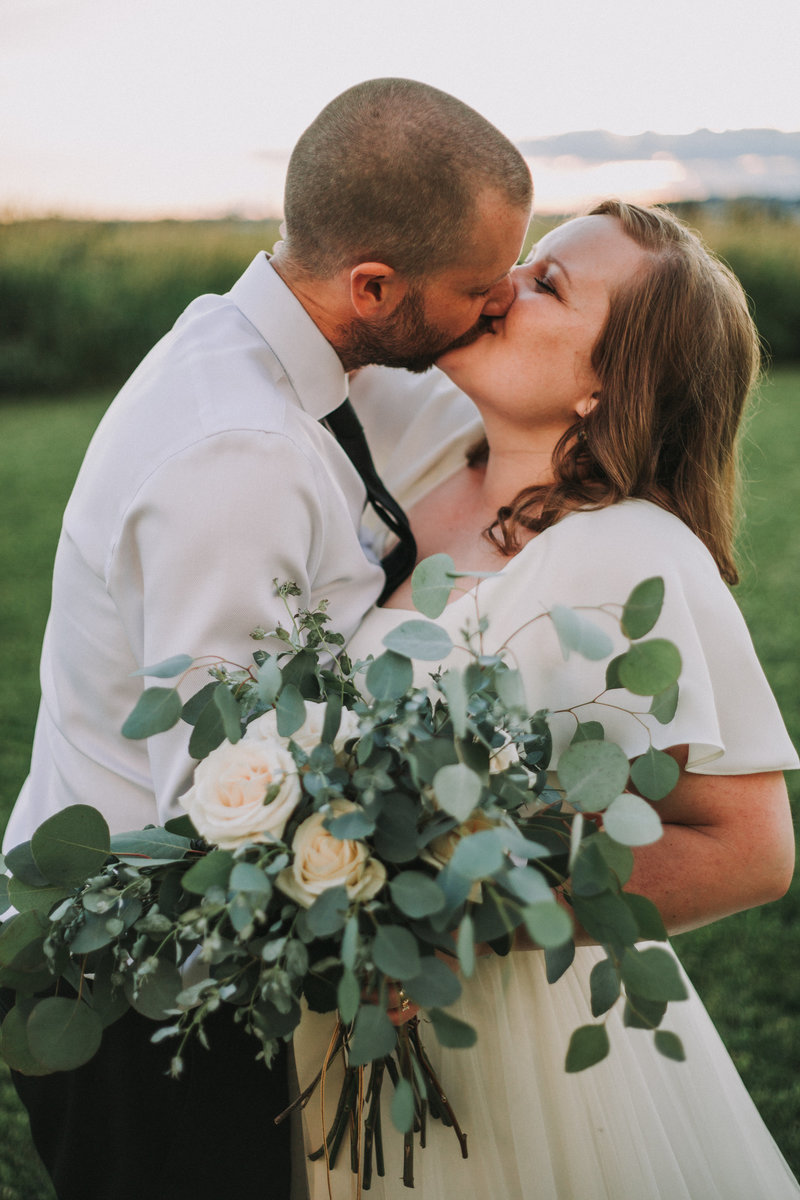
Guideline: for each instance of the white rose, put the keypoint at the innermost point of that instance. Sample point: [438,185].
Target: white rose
[503,758]
[322,861]
[309,734]
[439,851]
[227,802]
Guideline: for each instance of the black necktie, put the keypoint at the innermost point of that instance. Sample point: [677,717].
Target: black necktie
[399,562]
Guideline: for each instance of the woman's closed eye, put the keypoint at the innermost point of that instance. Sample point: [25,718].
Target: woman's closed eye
[545,284]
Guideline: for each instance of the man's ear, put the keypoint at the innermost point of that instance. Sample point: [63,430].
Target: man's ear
[376,289]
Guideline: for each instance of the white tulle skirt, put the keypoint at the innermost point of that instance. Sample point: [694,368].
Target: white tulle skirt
[637,1126]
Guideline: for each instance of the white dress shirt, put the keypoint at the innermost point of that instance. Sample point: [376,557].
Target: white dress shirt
[209,476]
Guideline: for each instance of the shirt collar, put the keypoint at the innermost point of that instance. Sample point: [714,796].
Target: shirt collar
[310,362]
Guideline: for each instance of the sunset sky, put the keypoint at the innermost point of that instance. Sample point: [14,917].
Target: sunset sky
[189,107]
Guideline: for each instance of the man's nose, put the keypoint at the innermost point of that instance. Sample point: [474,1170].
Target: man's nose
[500,298]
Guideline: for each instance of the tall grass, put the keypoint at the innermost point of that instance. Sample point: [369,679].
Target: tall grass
[83,301]
[744,967]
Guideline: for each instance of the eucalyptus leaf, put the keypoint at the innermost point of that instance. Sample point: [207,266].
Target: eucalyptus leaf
[151,843]
[465,946]
[589,731]
[14,1046]
[71,845]
[558,961]
[290,710]
[653,973]
[231,714]
[328,913]
[268,681]
[395,952]
[454,690]
[247,877]
[348,995]
[5,904]
[593,773]
[24,897]
[168,668]
[604,986]
[478,855]
[632,821]
[643,607]
[607,919]
[349,947]
[665,704]
[351,826]
[374,1035]
[419,639]
[158,992]
[655,773]
[416,894]
[528,884]
[20,934]
[670,1045]
[64,1034]
[402,1110]
[209,730]
[548,924]
[451,1032]
[457,789]
[576,632]
[212,870]
[647,668]
[431,584]
[435,986]
[389,676]
[588,1045]
[156,710]
[648,918]
[21,863]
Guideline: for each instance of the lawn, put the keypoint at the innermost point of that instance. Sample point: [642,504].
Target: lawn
[744,967]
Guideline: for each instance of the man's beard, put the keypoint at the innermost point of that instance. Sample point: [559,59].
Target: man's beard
[406,339]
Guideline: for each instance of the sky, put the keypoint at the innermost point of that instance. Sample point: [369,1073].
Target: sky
[146,108]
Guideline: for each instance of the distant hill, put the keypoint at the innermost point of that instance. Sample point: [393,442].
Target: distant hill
[737,162]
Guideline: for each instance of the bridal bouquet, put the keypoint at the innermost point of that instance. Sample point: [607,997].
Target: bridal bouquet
[351,843]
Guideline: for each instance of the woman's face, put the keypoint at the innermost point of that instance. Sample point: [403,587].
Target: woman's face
[534,367]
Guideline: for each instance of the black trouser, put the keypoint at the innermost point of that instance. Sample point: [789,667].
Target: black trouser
[119,1128]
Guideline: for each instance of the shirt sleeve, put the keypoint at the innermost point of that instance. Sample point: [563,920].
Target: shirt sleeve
[193,569]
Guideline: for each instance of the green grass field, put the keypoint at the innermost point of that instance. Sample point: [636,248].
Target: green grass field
[745,967]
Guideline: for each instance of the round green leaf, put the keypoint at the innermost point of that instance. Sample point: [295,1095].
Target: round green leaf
[419,639]
[416,894]
[648,668]
[231,714]
[478,856]
[290,710]
[653,974]
[156,709]
[403,1106]
[212,870]
[604,986]
[643,607]
[670,1045]
[665,704]
[465,946]
[451,1032]
[157,993]
[435,986]
[588,1045]
[24,897]
[548,924]
[374,1035]
[63,1034]
[390,676]
[168,668]
[14,1047]
[655,774]
[431,585]
[268,681]
[395,952]
[71,845]
[593,773]
[632,821]
[457,789]
[577,633]
[454,690]
[348,995]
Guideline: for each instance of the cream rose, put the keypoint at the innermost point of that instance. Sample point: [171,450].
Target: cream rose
[439,851]
[227,801]
[309,734]
[322,861]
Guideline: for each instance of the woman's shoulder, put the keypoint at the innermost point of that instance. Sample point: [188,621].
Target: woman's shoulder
[630,525]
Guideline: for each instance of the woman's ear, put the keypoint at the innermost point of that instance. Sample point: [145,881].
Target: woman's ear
[375,290]
[587,405]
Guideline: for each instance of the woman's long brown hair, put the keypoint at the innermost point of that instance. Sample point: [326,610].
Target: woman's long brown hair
[676,359]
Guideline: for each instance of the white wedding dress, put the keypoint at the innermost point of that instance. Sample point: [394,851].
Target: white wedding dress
[636,1126]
